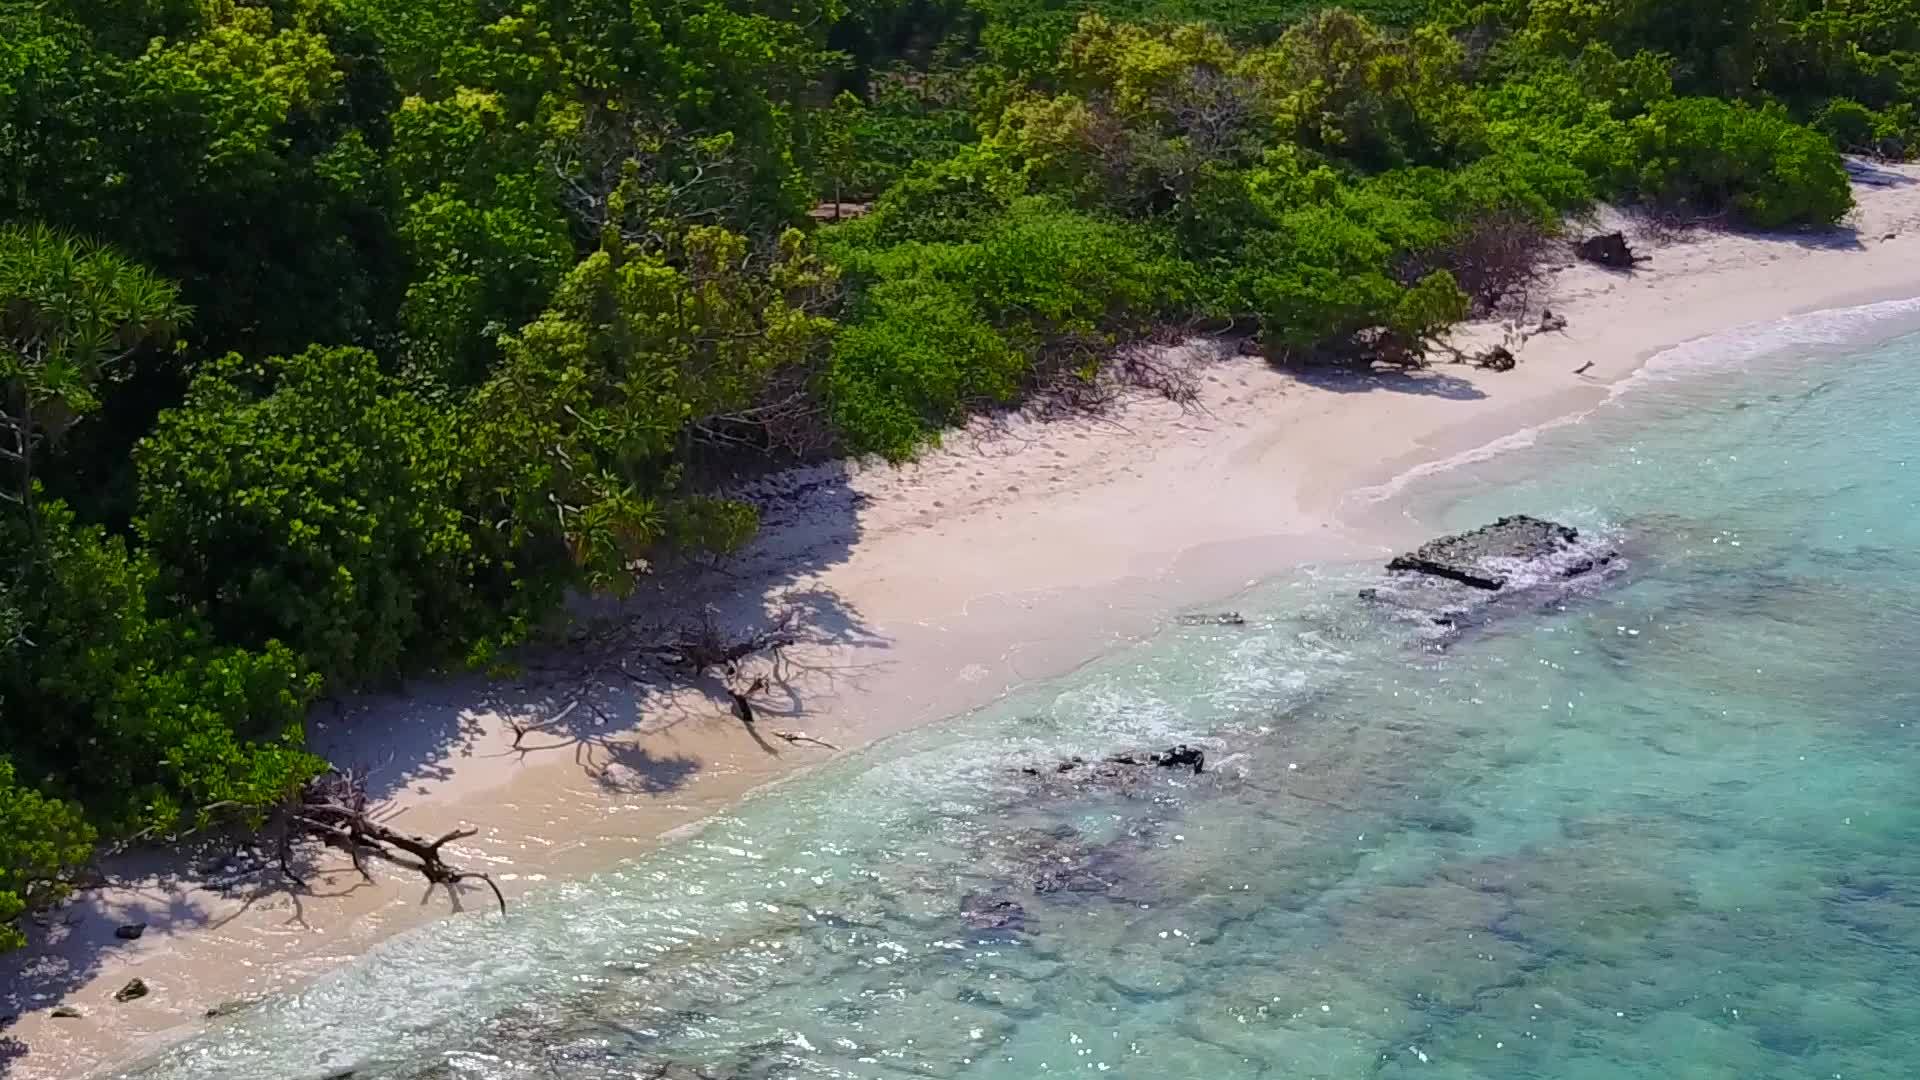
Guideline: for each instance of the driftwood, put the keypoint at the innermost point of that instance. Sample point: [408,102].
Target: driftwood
[801,737]
[1498,358]
[704,647]
[333,808]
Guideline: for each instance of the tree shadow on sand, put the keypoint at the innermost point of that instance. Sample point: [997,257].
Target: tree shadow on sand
[587,695]
[1426,382]
[202,883]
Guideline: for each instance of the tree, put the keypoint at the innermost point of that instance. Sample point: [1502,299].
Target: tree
[310,500]
[42,842]
[71,315]
[584,433]
[135,711]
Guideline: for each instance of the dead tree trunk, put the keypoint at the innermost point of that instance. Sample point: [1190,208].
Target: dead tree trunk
[334,809]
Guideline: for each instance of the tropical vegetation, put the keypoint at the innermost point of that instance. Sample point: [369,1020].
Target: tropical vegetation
[342,340]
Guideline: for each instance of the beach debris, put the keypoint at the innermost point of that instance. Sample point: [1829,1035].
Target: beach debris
[705,646]
[1551,323]
[1584,368]
[524,728]
[334,808]
[1610,250]
[1498,358]
[742,708]
[1217,618]
[135,989]
[130,932]
[1468,557]
[66,1012]
[801,737]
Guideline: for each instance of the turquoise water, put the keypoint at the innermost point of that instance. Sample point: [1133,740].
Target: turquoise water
[1664,829]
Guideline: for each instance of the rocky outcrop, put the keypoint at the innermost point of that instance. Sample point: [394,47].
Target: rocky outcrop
[1486,557]
[1454,583]
[1130,773]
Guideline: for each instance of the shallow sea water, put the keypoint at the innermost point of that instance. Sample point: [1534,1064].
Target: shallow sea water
[1669,828]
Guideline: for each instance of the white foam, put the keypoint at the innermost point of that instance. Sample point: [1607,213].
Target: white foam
[1729,350]
[1736,349]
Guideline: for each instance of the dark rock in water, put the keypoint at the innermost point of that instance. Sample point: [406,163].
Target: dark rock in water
[984,911]
[131,931]
[1586,565]
[135,988]
[1608,249]
[66,1012]
[1218,618]
[1057,860]
[1124,772]
[1464,557]
[228,1008]
[1181,757]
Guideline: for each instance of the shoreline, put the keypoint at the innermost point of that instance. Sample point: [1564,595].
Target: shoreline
[931,590]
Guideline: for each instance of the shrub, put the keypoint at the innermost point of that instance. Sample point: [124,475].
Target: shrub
[1324,288]
[42,840]
[1713,155]
[1854,128]
[308,499]
[138,712]
[919,355]
[944,327]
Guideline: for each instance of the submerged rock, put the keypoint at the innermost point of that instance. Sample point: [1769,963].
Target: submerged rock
[1216,618]
[228,1008]
[1479,559]
[984,911]
[1124,772]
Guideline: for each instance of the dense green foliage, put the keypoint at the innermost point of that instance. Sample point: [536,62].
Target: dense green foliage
[342,339]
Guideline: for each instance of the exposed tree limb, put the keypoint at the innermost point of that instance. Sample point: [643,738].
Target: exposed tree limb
[334,808]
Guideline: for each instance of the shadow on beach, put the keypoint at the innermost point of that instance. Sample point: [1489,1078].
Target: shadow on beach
[592,696]
[1430,382]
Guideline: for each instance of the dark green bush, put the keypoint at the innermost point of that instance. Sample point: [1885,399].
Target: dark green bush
[309,500]
[139,713]
[1710,155]
[943,327]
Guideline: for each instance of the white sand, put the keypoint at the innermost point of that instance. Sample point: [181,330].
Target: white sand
[931,589]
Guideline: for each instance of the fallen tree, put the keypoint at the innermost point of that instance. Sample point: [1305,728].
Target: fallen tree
[334,809]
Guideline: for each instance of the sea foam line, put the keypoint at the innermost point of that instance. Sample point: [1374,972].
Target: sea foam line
[1727,350]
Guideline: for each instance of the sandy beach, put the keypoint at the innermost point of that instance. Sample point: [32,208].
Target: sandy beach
[1014,553]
